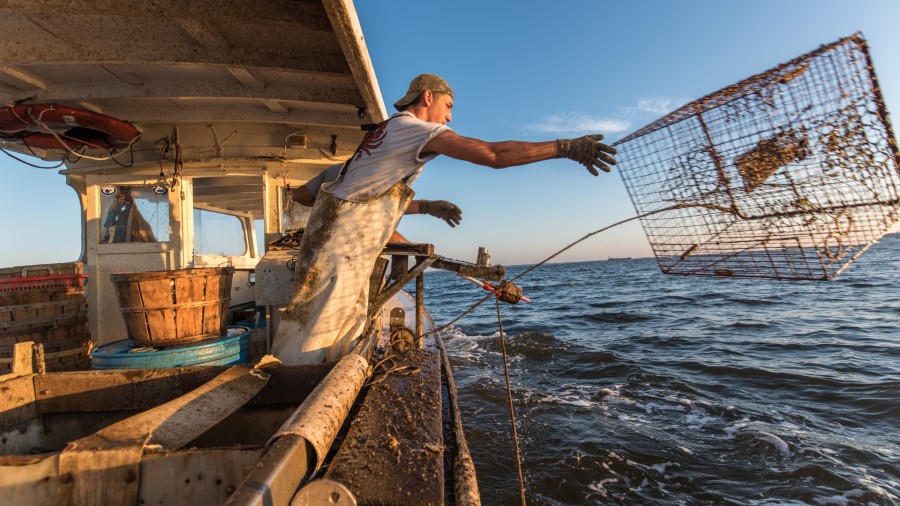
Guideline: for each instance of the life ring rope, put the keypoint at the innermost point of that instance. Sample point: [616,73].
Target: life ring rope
[108,133]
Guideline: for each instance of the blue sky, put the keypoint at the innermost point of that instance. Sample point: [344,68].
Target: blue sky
[535,70]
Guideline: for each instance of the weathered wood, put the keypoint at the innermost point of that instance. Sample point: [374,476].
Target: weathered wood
[194,477]
[57,354]
[18,397]
[409,248]
[161,323]
[399,267]
[94,470]
[189,319]
[398,285]
[23,359]
[174,307]
[139,389]
[376,280]
[176,423]
[25,312]
[490,273]
[129,295]
[104,468]
[211,314]
[465,482]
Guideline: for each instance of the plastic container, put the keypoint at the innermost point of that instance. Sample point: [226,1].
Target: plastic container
[232,348]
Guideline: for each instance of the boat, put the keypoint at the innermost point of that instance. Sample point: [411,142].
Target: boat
[183,127]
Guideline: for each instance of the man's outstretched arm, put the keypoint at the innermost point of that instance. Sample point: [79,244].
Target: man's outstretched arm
[587,151]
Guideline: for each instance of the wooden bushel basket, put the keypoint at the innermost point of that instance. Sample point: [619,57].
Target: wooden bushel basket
[164,308]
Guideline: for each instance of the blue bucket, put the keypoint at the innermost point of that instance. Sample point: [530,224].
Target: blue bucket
[232,348]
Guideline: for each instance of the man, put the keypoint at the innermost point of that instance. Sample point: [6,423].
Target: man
[447,211]
[354,216]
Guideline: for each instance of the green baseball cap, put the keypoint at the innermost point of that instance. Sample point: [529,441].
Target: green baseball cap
[421,83]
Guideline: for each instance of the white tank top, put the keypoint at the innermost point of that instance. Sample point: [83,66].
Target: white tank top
[391,153]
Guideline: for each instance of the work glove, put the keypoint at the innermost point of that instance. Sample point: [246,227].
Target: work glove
[587,151]
[442,209]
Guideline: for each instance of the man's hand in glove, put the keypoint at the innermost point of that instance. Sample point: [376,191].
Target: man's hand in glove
[587,151]
[442,209]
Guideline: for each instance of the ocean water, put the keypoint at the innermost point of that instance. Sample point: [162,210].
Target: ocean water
[633,387]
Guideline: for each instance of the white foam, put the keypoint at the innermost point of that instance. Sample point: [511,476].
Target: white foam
[732,430]
[775,441]
[697,420]
[557,400]
[839,500]
[661,468]
[599,487]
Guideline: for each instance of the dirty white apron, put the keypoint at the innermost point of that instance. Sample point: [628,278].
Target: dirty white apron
[340,245]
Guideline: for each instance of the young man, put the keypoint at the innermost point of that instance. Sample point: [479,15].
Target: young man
[354,216]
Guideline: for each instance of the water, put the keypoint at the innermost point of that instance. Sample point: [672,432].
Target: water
[633,387]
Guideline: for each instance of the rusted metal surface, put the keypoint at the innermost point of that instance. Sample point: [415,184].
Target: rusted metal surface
[276,476]
[393,452]
[324,491]
[301,443]
[321,415]
[790,174]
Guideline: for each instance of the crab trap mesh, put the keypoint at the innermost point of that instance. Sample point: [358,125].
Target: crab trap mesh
[790,174]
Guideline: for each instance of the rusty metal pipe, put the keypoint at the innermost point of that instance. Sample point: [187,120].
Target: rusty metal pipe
[300,445]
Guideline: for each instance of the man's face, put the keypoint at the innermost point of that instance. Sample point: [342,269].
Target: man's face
[441,109]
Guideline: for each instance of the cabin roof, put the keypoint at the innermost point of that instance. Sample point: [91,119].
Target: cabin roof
[292,62]
[232,80]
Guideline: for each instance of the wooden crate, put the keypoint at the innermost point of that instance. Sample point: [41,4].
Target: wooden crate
[41,270]
[48,309]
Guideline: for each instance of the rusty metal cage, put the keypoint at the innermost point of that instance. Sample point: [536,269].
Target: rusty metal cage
[790,174]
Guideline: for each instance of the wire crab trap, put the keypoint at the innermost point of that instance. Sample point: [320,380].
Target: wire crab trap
[790,174]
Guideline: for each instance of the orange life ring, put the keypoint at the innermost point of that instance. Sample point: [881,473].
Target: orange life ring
[28,124]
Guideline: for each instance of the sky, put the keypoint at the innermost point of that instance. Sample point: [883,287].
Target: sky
[534,70]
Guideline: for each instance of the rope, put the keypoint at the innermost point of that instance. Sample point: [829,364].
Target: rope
[43,126]
[7,153]
[542,262]
[595,232]
[512,413]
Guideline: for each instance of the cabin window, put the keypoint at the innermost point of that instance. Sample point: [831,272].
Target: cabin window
[133,214]
[218,234]
[260,227]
